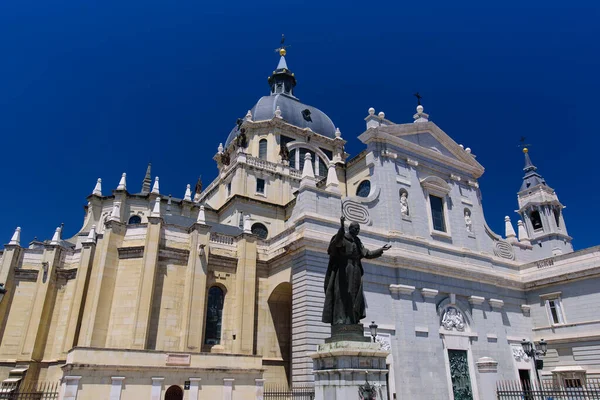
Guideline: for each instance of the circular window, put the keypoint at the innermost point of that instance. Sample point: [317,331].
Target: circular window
[364,189]
[135,219]
[260,230]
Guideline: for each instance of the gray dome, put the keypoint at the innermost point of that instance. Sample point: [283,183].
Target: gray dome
[292,112]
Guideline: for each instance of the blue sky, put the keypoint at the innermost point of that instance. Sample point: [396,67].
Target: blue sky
[94,89]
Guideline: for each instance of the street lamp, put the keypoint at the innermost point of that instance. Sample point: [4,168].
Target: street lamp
[373,328]
[533,351]
[2,291]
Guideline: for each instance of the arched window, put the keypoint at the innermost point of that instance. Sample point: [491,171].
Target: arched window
[135,219]
[214,315]
[557,216]
[536,220]
[174,393]
[260,230]
[364,189]
[262,149]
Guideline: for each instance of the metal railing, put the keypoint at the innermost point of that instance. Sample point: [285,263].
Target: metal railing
[31,391]
[570,389]
[285,393]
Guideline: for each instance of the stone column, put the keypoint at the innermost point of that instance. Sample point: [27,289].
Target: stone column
[260,389]
[8,263]
[488,371]
[194,389]
[245,295]
[194,305]
[156,390]
[43,305]
[228,388]
[96,313]
[146,287]
[116,387]
[69,387]
[81,286]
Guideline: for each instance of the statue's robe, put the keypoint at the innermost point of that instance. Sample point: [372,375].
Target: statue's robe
[344,296]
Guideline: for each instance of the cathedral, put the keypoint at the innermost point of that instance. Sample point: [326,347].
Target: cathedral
[219,294]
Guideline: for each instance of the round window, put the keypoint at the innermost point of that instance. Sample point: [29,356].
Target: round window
[364,189]
[260,230]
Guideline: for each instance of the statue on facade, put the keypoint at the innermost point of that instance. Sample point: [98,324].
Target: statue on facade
[344,296]
[284,152]
[468,221]
[198,189]
[241,140]
[225,158]
[404,204]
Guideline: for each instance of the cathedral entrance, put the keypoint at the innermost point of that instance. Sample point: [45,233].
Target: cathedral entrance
[174,393]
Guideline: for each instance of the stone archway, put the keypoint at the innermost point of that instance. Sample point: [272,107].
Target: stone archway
[280,308]
[174,393]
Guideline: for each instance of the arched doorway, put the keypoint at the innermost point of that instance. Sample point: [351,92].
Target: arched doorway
[280,307]
[174,393]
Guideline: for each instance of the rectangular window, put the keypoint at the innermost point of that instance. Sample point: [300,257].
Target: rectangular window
[260,186]
[241,220]
[554,309]
[229,189]
[437,213]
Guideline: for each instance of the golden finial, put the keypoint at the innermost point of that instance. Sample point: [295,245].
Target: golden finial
[282,47]
[525,150]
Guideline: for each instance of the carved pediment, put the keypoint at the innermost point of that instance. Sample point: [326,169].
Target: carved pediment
[436,184]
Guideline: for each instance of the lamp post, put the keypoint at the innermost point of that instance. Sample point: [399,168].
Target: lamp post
[533,351]
[373,329]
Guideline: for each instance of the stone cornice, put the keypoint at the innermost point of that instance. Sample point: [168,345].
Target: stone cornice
[463,162]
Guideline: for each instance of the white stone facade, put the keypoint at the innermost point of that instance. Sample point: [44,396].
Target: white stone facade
[260,232]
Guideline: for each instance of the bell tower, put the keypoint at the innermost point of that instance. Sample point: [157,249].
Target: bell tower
[542,213]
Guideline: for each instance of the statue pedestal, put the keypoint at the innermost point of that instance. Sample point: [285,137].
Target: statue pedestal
[342,367]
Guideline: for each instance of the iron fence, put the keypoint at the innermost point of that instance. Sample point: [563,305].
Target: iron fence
[569,389]
[285,393]
[31,391]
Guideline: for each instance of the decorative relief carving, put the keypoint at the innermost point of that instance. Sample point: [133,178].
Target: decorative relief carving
[356,212]
[453,319]
[519,354]
[504,249]
[384,342]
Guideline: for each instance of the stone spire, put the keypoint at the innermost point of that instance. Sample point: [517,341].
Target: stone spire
[188,193]
[332,180]
[115,214]
[91,237]
[155,189]
[201,215]
[532,178]
[156,210]
[308,174]
[122,182]
[16,237]
[523,237]
[56,237]
[168,212]
[98,188]
[510,234]
[147,180]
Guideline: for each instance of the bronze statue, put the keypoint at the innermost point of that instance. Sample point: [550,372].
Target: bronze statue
[198,188]
[225,158]
[284,152]
[344,295]
[241,140]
